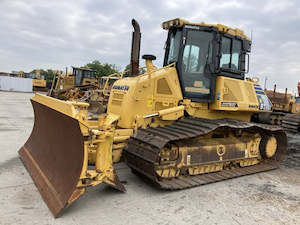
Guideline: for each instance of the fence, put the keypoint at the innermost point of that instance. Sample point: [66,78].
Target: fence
[15,84]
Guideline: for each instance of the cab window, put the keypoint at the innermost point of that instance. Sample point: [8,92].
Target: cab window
[235,54]
[78,77]
[191,58]
[175,37]
[225,53]
[230,54]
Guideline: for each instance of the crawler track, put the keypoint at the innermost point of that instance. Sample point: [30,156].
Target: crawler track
[291,122]
[142,153]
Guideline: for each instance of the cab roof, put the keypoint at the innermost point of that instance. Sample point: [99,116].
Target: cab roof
[179,22]
[83,68]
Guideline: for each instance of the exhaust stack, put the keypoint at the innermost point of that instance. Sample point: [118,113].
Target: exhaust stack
[135,49]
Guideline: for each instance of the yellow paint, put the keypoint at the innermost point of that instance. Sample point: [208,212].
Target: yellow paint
[38,83]
[271,147]
[144,96]
[230,90]
[178,22]
[150,101]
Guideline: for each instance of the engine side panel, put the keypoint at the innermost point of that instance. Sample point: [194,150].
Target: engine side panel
[240,95]
[134,97]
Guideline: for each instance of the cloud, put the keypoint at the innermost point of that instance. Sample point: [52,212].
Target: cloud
[55,34]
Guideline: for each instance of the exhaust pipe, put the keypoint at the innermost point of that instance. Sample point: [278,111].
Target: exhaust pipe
[135,49]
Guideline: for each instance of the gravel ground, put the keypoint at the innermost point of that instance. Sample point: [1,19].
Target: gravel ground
[266,198]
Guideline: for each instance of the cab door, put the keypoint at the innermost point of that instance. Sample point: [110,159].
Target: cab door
[195,63]
[78,76]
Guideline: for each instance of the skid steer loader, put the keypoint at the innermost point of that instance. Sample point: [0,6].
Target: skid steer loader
[182,125]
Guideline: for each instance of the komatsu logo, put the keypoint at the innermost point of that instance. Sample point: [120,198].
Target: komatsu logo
[121,87]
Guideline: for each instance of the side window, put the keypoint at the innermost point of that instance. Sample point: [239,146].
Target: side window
[88,74]
[230,54]
[78,77]
[225,53]
[236,51]
[191,58]
[185,58]
[174,46]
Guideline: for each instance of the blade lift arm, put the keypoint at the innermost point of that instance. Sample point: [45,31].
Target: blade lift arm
[98,148]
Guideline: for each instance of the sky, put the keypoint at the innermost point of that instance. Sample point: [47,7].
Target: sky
[53,34]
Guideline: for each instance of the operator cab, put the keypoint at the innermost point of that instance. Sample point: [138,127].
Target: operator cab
[80,73]
[202,52]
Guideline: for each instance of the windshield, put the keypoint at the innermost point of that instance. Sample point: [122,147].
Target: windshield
[175,38]
[197,55]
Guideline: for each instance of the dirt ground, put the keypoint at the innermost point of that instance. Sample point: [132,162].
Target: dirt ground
[266,198]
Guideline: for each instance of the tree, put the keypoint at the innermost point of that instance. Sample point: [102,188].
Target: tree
[47,74]
[102,69]
[127,74]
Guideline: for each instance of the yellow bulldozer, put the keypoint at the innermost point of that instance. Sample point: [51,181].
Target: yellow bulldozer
[285,111]
[38,82]
[80,78]
[83,85]
[182,125]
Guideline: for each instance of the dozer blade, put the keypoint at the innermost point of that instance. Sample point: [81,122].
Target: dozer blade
[53,155]
[56,157]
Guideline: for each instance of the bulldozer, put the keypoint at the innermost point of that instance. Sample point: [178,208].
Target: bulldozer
[285,111]
[83,85]
[182,125]
[38,82]
[282,104]
[80,78]
[291,121]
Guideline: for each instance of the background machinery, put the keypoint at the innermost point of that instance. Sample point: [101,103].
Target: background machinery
[182,125]
[38,82]
[81,78]
[285,110]
[291,122]
[282,104]
[83,85]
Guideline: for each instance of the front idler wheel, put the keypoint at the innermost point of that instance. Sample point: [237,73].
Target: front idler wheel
[268,146]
